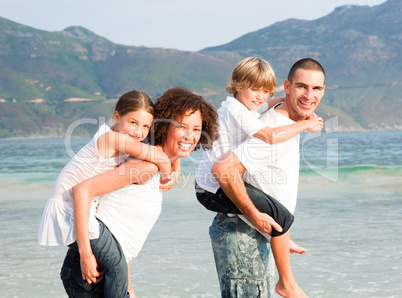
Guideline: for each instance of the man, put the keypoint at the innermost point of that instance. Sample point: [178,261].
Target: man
[241,253]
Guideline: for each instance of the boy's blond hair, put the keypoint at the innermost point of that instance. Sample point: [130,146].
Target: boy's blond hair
[254,71]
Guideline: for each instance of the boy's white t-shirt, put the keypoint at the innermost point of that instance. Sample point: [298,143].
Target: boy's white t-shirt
[274,169]
[236,123]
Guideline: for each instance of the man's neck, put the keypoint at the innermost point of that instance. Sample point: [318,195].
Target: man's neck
[286,111]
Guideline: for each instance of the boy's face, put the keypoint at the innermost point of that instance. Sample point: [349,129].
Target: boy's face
[252,97]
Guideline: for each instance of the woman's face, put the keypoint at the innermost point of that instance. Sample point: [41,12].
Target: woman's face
[183,135]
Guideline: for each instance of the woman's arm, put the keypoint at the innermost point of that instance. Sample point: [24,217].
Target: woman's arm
[133,171]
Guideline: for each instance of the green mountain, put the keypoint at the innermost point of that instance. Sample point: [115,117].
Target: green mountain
[49,80]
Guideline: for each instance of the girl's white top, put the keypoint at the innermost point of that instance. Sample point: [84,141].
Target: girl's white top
[130,213]
[57,226]
[236,123]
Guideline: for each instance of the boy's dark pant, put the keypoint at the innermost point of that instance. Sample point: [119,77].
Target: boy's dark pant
[220,202]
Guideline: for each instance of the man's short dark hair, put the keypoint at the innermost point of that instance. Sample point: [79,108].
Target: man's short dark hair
[307,64]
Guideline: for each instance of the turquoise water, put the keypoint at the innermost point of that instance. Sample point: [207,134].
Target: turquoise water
[348,216]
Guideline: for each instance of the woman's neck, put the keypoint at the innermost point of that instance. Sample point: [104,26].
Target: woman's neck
[172,158]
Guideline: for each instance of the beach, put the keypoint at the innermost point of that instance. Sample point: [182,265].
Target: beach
[348,216]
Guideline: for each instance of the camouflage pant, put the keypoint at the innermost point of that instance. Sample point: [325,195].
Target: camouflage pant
[241,257]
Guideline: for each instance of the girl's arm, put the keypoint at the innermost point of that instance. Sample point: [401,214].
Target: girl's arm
[174,177]
[274,101]
[282,134]
[122,143]
[133,171]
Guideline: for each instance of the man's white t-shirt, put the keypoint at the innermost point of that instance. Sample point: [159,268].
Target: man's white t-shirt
[272,168]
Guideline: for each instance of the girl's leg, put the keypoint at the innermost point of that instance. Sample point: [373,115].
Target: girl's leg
[110,257]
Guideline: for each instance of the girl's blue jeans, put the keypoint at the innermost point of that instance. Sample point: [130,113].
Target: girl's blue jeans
[110,257]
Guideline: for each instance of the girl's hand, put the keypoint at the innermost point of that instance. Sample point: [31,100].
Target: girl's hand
[164,178]
[174,178]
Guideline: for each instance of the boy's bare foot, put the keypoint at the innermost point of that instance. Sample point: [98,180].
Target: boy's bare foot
[289,291]
[294,248]
[131,292]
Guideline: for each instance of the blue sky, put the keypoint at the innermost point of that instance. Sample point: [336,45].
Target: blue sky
[189,25]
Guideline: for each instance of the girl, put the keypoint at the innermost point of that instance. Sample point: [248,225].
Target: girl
[108,149]
[184,122]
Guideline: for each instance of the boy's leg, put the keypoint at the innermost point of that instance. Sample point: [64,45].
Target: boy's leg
[286,286]
[217,202]
[267,204]
[220,202]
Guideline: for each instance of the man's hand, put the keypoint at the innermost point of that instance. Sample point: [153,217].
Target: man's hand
[89,270]
[265,223]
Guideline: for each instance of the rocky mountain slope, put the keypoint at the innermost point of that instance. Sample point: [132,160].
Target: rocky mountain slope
[48,80]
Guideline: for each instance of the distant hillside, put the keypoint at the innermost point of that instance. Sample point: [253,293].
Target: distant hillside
[360,48]
[50,79]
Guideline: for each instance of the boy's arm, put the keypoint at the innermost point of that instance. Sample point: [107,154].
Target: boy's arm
[227,171]
[274,101]
[133,171]
[282,134]
[174,176]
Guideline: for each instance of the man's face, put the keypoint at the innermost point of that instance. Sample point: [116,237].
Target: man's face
[304,93]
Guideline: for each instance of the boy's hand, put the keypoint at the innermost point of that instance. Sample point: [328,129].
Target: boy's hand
[315,123]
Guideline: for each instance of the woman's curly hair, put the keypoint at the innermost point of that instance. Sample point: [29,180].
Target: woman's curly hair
[173,106]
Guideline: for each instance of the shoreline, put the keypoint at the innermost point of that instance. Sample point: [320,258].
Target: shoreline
[42,137]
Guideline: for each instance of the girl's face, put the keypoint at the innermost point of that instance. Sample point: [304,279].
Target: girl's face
[136,124]
[183,135]
[252,97]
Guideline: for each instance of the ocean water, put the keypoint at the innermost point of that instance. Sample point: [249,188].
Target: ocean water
[348,216]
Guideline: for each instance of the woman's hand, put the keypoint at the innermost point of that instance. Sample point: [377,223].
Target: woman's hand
[89,270]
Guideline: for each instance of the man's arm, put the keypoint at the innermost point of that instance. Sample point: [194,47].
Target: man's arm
[227,171]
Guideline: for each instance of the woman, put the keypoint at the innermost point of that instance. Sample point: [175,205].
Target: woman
[184,122]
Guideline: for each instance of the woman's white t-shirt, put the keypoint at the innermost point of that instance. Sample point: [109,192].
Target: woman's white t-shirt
[130,213]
